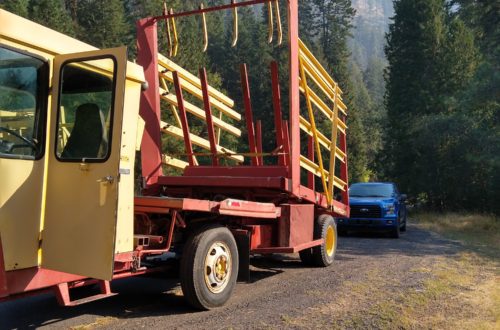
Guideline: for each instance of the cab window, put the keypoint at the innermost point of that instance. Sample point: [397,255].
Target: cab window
[85,111]
[23,95]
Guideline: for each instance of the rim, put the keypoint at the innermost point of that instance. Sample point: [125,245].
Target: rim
[218,263]
[330,241]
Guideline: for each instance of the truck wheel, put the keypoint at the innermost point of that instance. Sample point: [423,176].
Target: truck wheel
[403,228]
[306,257]
[395,231]
[209,267]
[326,229]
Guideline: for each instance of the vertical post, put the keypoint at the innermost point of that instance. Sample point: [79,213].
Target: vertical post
[343,170]
[248,113]
[293,31]
[286,142]
[258,135]
[147,57]
[208,114]
[278,116]
[310,154]
[183,119]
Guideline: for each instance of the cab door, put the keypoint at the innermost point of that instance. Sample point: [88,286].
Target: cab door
[80,218]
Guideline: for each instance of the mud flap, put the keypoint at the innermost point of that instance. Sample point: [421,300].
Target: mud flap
[243,242]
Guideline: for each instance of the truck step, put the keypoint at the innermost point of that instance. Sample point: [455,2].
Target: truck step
[90,299]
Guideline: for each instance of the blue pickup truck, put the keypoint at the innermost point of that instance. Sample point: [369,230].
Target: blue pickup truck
[375,206]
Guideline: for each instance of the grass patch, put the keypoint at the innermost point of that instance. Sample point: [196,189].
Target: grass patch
[481,232]
[99,322]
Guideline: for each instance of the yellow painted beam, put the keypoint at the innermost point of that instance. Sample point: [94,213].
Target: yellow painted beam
[174,162]
[314,168]
[194,110]
[196,91]
[194,80]
[316,63]
[198,141]
[323,140]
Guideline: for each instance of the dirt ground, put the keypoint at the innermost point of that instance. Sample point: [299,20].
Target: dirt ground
[418,281]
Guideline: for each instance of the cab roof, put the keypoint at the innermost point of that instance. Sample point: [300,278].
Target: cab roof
[14,29]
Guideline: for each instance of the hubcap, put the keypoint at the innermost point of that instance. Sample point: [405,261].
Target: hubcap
[217,267]
[330,241]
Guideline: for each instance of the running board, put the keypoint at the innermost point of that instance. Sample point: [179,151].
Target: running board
[63,298]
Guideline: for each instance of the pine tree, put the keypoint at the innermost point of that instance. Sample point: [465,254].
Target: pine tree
[53,14]
[102,23]
[19,7]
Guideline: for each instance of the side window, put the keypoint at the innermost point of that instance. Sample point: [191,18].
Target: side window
[23,95]
[85,112]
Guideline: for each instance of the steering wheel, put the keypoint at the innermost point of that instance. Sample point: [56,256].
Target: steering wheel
[29,143]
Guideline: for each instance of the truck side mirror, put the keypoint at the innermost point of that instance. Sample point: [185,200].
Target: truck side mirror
[403,197]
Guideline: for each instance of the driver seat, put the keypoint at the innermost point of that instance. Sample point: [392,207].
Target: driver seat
[88,133]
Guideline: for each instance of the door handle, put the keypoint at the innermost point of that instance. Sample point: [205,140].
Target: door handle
[107,179]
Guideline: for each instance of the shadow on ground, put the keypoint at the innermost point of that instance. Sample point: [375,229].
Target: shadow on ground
[162,296]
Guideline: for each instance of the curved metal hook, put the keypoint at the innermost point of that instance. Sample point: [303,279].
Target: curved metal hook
[278,22]
[169,33]
[205,30]
[270,21]
[175,42]
[235,25]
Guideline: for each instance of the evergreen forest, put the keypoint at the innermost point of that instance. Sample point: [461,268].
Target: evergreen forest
[421,79]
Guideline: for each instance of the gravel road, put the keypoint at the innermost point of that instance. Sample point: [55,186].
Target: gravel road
[283,294]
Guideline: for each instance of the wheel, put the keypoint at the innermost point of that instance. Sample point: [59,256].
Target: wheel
[395,231]
[403,228]
[306,257]
[325,228]
[209,267]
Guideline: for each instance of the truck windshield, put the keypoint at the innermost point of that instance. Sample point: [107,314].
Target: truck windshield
[22,78]
[371,190]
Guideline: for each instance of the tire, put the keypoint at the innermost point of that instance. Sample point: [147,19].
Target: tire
[395,231]
[325,228]
[209,267]
[306,257]
[403,227]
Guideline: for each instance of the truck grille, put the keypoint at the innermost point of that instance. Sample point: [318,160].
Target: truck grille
[366,211]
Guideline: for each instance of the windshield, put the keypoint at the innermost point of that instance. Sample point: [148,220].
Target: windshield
[21,124]
[371,190]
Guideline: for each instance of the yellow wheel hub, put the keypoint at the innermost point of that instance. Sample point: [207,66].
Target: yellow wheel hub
[218,263]
[330,241]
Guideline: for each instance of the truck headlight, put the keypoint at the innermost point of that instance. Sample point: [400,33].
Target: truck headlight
[390,209]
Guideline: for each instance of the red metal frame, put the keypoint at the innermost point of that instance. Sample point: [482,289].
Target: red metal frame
[147,46]
[182,114]
[279,185]
[247,101]
[208,115]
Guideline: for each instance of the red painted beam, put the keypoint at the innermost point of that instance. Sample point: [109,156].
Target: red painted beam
[182,113]
[278,115]
[211,9]
[245,86]
[240,182]
[293,32]
[286,144]
[258,137]
[291,249]
[209,119]
[147,57]
[344,175]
